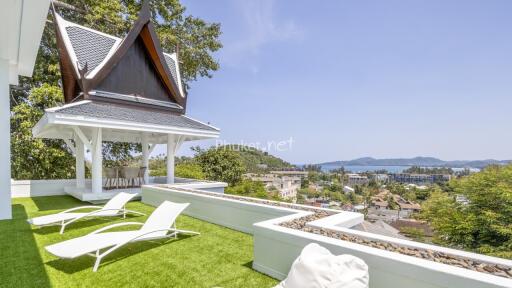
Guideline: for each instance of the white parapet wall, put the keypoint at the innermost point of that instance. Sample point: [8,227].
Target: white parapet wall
[53,187]
[276,247]
[229,213]
[36,188]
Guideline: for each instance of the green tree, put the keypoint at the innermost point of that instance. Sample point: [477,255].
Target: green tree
[189,170]
[483,225]
[38,158]
[396,188]
[254,189]
[352,198]
[257,161]
[358,189]
[313,176]
[221,165]
[391,203]
[35,158]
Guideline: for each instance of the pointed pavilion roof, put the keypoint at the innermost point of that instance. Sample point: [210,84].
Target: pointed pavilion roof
[89,57]
[128,87]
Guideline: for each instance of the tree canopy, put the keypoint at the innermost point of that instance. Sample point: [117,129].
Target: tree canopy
[50,159]
[221,165]
[485,223]
[258,161]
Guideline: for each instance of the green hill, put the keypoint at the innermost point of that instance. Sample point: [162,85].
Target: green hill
[258,161]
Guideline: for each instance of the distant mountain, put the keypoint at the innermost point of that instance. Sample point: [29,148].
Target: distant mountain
[416,161]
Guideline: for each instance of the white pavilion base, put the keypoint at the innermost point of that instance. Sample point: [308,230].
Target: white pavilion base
[85,194]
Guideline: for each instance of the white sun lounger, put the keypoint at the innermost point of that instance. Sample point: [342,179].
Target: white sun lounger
[114,207]
[160,224]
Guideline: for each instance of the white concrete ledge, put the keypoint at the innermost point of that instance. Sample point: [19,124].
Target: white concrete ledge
[342,219]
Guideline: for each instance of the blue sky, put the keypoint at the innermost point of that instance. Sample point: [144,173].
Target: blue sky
[347,79]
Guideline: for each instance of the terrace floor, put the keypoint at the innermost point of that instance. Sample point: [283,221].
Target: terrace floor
[219,257]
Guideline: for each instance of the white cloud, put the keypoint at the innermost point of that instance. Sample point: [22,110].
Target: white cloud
[261,26]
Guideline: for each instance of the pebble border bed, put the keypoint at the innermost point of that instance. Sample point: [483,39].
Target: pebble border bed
[300,224]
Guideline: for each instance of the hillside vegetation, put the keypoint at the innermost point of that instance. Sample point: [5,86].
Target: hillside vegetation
[257,161]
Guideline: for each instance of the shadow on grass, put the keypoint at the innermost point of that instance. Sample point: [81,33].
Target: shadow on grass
[248,265]
[71,266]
[45,230]
[45,203]
[22,265]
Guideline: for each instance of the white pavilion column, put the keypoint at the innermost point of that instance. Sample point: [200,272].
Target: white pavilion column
[171,149]
[97,162]
[145,156]
[5,148]
[79,162]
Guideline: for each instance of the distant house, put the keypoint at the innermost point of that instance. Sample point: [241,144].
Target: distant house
[379,227]
[380,201]
[356,179]
[379,177]
[316,187]
[286,185]
[419,179]
[409,206]
[301,174]
[380,204]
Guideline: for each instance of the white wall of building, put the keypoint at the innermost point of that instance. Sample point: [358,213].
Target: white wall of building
[5,148]
[21,26]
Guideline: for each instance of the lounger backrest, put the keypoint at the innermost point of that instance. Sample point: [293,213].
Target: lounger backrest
[117,202]
[163,217]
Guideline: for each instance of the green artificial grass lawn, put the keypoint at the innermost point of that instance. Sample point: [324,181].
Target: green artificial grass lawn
[219,257]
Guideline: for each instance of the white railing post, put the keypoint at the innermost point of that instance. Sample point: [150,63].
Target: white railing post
[97,162]
[145,156]
[79,162]
[171,149]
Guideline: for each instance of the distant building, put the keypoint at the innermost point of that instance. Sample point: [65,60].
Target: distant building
[380,202]
[419,179]
[286,185]
[316,187]
[262,166]
[379,227]
[379,177]
[301,174]
[356,179]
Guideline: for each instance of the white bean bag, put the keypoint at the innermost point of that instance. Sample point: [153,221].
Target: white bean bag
[316,267]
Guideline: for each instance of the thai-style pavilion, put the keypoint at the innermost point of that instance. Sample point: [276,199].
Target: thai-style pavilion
[122,90]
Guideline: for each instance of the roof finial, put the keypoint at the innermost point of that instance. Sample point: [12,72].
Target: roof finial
[145,10]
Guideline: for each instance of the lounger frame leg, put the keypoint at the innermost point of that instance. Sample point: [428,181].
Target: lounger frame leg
[174,233]
[98,261]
